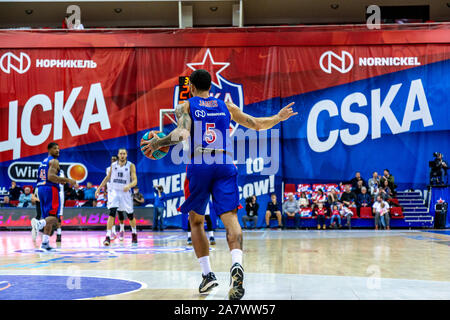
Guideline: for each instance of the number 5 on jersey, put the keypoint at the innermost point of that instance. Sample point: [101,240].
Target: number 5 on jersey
[210,134]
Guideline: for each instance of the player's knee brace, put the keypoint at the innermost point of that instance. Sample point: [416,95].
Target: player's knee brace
[130,216]
[112,212]
[121,216]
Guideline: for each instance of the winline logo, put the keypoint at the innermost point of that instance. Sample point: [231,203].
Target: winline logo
[28,171]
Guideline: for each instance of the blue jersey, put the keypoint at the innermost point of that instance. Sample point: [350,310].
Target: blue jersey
[43,173]
[210,126]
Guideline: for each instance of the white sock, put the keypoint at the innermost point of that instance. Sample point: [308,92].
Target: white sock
[45,238]
[133,230]
[205,265]
[236,256]
[108,233]
[113,230]
[42,224]
[189,234]
[58,231]
[210,234]
[122,227]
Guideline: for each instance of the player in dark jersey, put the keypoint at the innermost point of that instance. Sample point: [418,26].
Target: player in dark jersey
[206,121]
[48,192]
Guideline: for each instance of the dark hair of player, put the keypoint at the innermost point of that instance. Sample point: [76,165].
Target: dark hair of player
[51,145]
[201,79]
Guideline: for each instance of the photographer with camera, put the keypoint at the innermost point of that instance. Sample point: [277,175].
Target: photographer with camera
[438,170]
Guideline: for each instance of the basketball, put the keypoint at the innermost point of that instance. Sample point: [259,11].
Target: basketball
[157,154]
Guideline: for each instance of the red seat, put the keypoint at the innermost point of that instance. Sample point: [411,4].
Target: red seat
[355,215]
[70,203]
[289,187]
[366,213]
[14,202]
[396,213]
[394,200]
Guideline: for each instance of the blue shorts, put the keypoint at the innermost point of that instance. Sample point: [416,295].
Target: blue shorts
[50,201]
[206,180]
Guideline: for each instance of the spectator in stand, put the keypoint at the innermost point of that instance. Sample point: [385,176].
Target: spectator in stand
[384,195]
[291,210]
[303,201]
[320,197]
[354,181]
[321,212]
[89,195]
[374,183]
[138,198]
[359,186]
[333,198]
[387,189]
[25,198]
[348,198]
[14,191]
[69,192]
[160,205]
[363,199]
[347,214]
[335,214]
[379,212]
[273,211]
[80,193]
[5,203]
[251,208]
[390,178]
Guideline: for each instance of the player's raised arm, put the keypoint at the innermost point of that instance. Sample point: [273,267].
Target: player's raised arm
[179,134]
[53,174]
[133,175]
[105,180]
[262,123]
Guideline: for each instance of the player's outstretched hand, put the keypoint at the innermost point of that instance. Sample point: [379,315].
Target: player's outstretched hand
[287,112]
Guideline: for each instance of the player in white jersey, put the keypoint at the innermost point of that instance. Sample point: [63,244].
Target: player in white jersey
[122,177]
[120,213]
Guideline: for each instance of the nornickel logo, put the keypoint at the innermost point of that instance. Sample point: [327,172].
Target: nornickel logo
[328,59]
[10,61]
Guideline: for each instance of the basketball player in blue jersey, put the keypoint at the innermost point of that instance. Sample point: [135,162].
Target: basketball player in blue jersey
[48,185]
[206,121]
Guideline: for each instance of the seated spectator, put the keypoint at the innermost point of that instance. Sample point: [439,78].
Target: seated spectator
[251,208]
[14,191]
[390,178]
[273,211]
[80,193]
[320,197]
[25,198]
[303,201]
[387,189]
[380,211]
[89,195]
[291,210]
[138,198]
[347,214]
[384,195]
[348,198]
[359,186]
[374,183]
[354,181]
[69,192]
[6,203]
[363,199]
[333,198]
[335,214]
[321,212]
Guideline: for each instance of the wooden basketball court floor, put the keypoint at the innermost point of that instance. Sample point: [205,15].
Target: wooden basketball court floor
[279,264]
